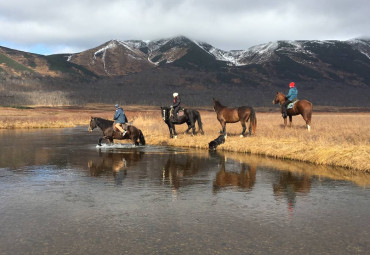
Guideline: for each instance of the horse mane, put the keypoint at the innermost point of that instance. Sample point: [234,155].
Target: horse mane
[103,120]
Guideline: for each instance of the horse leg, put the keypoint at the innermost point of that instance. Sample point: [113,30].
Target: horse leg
[290,120]
[192,124]
[285,122]
[174,131]
[170,129]
[187,130]
[307,118]
[99,142]
[223,125]
[244,128]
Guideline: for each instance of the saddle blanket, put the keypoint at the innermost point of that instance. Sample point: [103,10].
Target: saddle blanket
[290,106]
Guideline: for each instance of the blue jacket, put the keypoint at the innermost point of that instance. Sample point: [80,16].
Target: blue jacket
[119,116]
[292,94]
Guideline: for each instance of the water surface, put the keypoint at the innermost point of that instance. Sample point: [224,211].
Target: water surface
[60,194]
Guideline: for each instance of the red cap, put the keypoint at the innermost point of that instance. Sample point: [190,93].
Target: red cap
[292,84]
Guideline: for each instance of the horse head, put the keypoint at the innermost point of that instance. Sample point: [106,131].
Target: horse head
[92,124]
[279,98]
[216,104]
[165,112]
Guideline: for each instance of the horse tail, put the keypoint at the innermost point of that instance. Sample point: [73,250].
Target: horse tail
[253,120]
[200,124]
[141,137]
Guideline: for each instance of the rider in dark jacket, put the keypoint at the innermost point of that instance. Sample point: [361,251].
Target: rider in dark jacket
[292,95]
[120,120]
[176,104]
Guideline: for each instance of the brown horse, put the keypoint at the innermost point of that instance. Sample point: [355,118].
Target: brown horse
[302,107]
[109,133]
[233,115]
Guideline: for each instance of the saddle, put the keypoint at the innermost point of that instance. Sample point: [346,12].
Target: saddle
[180,113]
[291,105]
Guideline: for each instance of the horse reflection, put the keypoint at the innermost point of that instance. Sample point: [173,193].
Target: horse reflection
[114,163]
[245,179]
[290,184]
[177,167]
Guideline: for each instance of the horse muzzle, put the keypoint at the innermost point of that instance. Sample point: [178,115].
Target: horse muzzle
[89,129]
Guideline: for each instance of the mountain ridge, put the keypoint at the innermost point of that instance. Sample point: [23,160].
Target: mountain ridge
[326,71]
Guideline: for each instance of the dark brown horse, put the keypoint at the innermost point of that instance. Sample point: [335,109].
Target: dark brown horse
[302,107]
[233,115]
[109,133]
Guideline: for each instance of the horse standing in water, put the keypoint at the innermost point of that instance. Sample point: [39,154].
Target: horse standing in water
[109,133]
[190,117]
[233,115]
[302,107]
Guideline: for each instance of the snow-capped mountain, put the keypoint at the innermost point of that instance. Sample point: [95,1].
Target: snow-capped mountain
[300,58]
[329,72]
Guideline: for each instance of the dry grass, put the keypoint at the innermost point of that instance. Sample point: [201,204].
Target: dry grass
[338,139]
[335,139]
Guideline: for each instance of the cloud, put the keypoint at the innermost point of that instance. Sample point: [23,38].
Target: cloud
[235,24]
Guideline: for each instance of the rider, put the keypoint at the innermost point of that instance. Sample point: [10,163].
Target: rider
[292,95]
[176,104]
[120,119]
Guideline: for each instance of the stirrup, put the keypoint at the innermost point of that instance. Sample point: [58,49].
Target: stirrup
[124,132]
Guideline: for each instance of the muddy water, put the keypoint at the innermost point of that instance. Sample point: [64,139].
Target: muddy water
[60,194]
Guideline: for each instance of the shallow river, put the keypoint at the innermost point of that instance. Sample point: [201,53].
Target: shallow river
[60,194]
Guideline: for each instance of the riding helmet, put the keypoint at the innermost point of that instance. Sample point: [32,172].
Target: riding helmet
[291,85]
[175,94]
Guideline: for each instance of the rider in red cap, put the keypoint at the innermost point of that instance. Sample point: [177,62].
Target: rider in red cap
[292,95]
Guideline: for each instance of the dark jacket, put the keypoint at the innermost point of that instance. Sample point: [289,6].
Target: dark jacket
[119,116]
[292,94]
[176,102]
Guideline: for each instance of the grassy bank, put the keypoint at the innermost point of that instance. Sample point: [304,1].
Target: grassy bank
[337,139]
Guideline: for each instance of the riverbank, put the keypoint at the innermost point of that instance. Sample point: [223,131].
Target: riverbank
[336,139]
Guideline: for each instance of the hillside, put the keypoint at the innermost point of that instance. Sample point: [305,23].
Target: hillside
[140,72]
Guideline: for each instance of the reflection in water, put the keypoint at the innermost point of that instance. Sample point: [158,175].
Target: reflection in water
[115,163]
[244,179]
[51,201]
[290,184]
[179,166]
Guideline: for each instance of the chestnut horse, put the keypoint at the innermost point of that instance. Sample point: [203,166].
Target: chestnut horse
[302,107]
[233,115]
[133,133]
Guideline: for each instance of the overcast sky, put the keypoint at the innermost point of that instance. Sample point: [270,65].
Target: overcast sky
[69,26]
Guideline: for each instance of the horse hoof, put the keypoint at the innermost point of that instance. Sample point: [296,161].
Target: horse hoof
[241,135]
[175,136]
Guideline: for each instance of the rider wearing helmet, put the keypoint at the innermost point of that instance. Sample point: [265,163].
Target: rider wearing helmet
[176,104]
[120,120]
[292,95]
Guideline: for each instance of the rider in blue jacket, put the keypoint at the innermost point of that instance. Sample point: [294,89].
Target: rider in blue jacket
[120,120]
[292,95]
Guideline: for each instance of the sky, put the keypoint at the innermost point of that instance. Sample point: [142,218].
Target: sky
[71,26]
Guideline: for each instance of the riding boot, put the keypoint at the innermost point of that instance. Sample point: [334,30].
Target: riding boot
[284,113]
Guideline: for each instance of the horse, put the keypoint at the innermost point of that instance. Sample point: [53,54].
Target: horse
[190,117]
[233,115]
[109,133]
[302,107]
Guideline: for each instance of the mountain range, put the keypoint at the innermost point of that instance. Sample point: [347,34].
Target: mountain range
[147,72]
